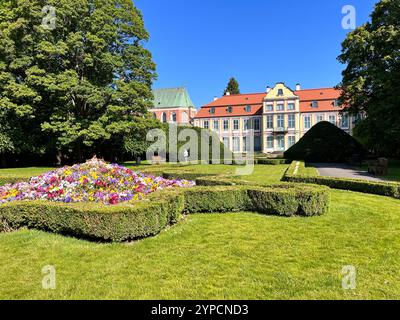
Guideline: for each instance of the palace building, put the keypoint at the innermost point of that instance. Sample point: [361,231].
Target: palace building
[276,119]
[173,106]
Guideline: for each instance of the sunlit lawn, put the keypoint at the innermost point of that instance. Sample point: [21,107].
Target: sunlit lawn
[231,256]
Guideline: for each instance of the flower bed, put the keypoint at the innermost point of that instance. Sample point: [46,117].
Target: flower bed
[93,181]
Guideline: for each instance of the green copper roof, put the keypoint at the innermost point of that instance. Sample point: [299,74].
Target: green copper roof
[172,98]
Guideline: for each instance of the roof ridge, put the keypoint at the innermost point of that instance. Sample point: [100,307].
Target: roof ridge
[315,89]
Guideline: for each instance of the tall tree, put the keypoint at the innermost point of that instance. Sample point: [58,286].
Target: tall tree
[371,80]
[75,89]
[233,87]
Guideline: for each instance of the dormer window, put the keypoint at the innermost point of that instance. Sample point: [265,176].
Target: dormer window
[229,109]
[248,109]
[336,103]
[314,104]
[280,92]
[212,110]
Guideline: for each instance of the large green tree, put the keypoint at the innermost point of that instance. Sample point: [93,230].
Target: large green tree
[371,80]
[78,87]
[232,87]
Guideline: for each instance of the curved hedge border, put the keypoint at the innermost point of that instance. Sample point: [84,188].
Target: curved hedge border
[159,210]
[389,189]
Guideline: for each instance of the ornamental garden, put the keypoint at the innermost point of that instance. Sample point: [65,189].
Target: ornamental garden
[97,187]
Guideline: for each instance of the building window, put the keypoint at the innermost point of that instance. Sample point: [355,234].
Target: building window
[246,144]
[229,109]
[248,109]
[292,121]
[236,124]
[270,142]
[270,122]
[314,104]
[246,124]
[164,117]
[280,141]
[332,119]
[344,121]
[280,107]
[216,125]
[173,117]
[236,144]
[336,103]
[307,122]
[319,118]
[280,121]
[270,107]
[280,92]
[225,140]
[257,143]
[212,110]
[226,125]
[290,106]
[257,124]
[206,124]
[291,141]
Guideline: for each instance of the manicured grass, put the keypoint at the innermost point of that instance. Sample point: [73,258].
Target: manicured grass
[260,173]
[231,256]
[24,172]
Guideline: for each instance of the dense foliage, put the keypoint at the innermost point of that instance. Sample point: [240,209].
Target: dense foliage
[325,143]
[77,89]
[232,87]
[371,79]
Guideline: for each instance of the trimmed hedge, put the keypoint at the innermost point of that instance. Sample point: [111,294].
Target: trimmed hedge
[151,216]
[389,189]
[92,221]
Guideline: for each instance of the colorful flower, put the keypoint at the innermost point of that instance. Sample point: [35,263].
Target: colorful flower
[93,181]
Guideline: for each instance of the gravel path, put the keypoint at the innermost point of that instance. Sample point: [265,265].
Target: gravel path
[344,171]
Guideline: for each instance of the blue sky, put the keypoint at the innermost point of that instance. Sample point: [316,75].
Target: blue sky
[200,44]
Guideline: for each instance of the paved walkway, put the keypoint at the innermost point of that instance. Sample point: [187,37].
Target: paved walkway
[344,171]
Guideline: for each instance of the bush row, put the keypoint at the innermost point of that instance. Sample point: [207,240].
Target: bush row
[389,189]
[149,217]
[280,200]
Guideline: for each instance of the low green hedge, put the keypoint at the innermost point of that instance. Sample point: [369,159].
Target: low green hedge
[92,221]
[273,162]
[389,189]
[150,216]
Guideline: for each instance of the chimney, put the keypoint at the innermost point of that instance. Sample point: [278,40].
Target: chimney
[227,93]
[215,98]
[298,87]
[268,89]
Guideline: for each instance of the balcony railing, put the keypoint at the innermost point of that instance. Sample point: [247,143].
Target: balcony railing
[281,130]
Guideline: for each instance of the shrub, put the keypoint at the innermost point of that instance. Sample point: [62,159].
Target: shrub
[272,162]
[325,143]
[93,221]
[148,217]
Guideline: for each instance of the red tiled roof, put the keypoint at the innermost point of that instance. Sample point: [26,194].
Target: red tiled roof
[238,99]
[324,96]
[237,111]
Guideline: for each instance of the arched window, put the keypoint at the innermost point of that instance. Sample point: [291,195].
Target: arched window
[173,117]
[185,117]
[164,117]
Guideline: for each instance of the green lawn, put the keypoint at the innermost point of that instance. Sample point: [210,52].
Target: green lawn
[261,174]
[231,256]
